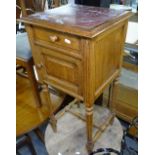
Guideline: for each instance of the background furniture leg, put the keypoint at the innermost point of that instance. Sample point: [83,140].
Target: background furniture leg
[27,141]
[39,134]
[31,145]
[53,123]
[109,95]
[113,94]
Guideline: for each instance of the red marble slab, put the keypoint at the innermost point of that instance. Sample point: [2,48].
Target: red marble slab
[77,17]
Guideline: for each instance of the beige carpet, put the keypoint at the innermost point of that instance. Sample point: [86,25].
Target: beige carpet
[70,138]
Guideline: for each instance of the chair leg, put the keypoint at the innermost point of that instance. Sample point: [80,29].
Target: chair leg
[52,119]
[27,141]
[30,144]
[33,82]
[39,134]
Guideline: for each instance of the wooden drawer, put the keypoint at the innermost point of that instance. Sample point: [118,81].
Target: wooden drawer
[56,38]
[61,71]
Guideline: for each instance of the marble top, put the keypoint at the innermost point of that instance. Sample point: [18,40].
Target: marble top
[77,19]
[78,15]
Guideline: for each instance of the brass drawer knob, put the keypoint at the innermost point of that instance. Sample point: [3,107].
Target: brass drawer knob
[53,38]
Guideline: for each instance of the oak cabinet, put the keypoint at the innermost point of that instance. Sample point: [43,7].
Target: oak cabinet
[78,49]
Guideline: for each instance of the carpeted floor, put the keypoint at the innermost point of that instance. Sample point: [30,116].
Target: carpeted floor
[41,150]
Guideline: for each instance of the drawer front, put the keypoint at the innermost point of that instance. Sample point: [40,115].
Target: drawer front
[61,71]
[56,38]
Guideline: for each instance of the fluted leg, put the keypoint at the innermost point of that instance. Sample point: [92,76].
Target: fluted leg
[89,123]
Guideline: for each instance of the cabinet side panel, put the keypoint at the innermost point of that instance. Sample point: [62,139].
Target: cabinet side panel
[108,53]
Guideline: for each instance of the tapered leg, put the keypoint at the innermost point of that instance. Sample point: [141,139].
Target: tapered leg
[89,126]
[53,121]
[33,82]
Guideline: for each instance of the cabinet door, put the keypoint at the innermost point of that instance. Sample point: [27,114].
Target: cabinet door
[59,70]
